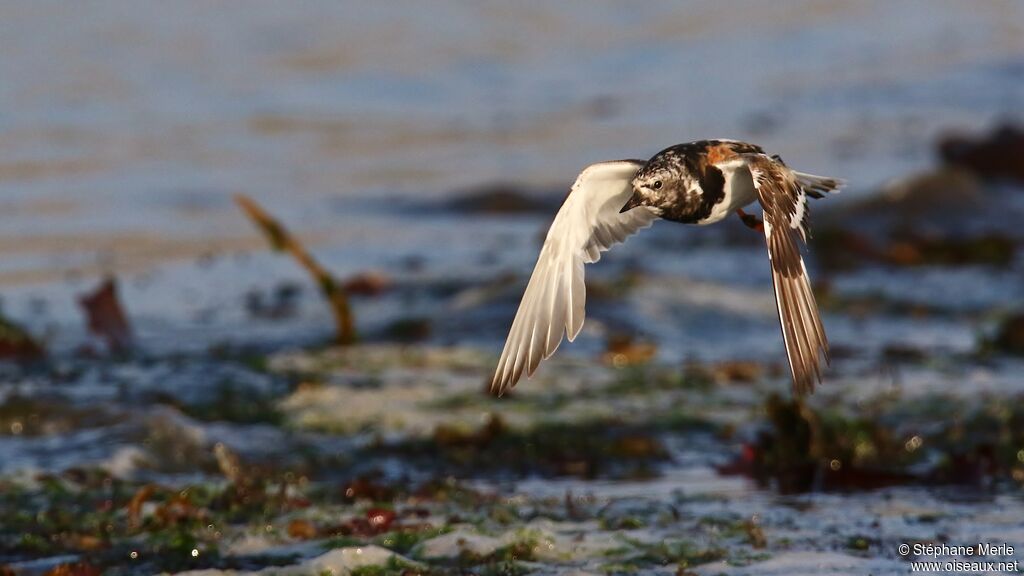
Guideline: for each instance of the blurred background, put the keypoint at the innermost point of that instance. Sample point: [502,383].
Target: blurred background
[165,370]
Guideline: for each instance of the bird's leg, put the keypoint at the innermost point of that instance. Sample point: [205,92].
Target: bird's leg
[752,222]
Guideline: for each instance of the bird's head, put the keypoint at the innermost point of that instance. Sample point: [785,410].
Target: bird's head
[653,187]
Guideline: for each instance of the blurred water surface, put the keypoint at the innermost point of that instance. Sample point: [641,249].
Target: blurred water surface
[126,126]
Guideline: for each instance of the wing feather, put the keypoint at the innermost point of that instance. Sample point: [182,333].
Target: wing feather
[784,201]
[553,304]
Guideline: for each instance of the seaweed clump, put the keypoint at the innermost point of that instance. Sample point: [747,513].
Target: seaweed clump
[803,449]
[601,448]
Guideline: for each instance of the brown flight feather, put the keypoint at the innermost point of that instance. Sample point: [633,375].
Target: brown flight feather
[780,195]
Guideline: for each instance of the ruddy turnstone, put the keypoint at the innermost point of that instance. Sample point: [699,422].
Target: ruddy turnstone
[697,183]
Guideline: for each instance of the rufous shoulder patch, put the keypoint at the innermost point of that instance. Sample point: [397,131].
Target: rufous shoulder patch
[720,152]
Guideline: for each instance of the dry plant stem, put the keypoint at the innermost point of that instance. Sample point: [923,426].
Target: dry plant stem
[281,240]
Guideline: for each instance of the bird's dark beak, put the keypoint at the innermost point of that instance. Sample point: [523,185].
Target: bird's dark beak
[634,201]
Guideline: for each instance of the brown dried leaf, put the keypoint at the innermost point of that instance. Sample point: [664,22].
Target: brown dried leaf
[86,542]
[105,317]
[135,505]
[178,509]
[737,371]
[367,284]
[380,519]
[623,351]
[77,569]
[302,530]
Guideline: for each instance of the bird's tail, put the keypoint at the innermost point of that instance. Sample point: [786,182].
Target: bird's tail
[817,186]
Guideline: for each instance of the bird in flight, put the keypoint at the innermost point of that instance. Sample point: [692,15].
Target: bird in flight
[700,182]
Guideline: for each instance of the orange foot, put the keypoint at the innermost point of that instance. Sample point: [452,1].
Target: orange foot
[750,220]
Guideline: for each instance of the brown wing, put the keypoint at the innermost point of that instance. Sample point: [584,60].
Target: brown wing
[785,217]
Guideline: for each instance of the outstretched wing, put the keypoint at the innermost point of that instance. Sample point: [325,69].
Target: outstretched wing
[587,224]
[784,202]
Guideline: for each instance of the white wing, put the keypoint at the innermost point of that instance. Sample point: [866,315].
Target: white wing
[587,224]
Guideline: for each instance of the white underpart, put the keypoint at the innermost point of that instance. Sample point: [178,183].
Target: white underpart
[588,223]
[798,215]
[738,190]
[693,189]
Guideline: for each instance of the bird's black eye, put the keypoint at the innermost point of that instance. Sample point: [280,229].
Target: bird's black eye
[656,185]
